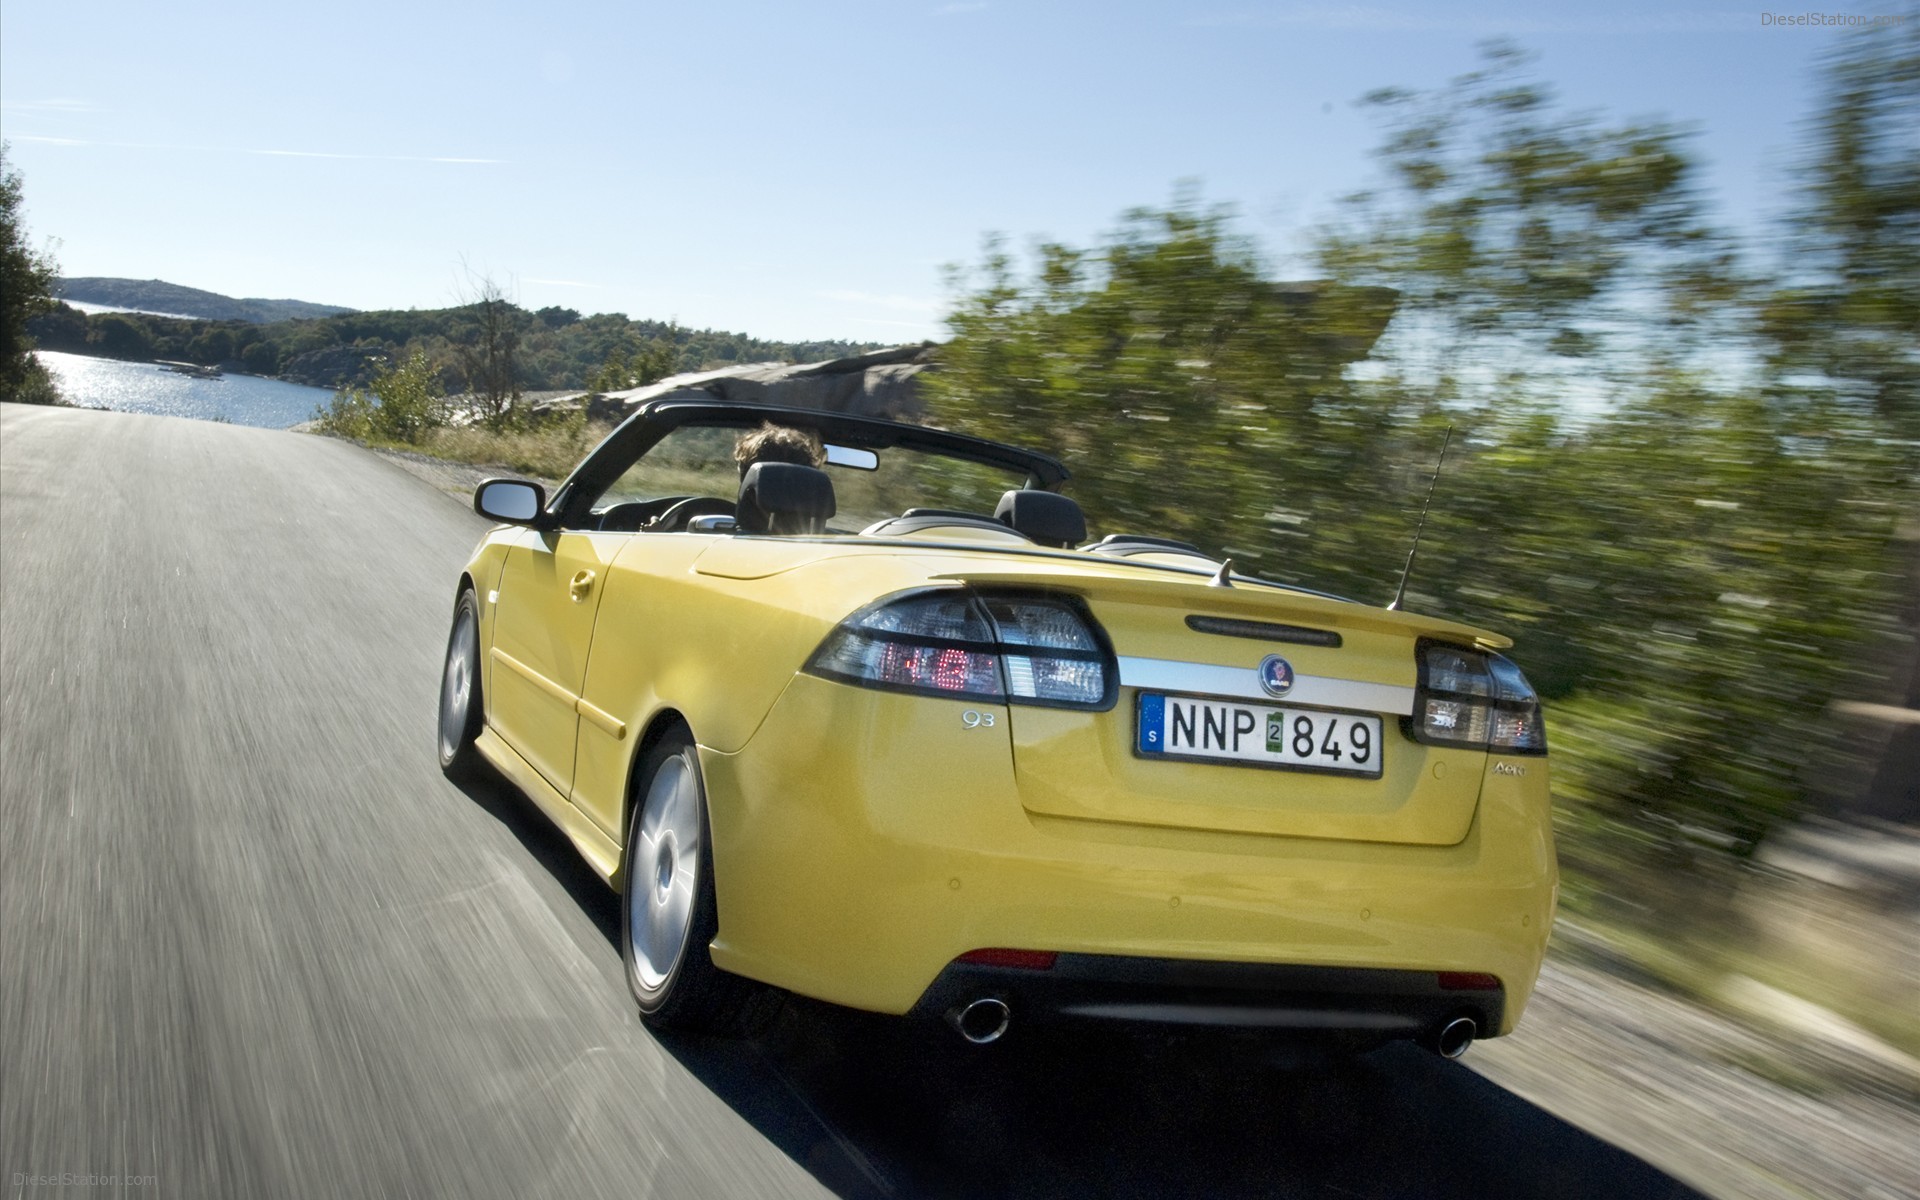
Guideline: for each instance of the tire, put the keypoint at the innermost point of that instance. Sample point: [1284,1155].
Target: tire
[461,710]
[668,916]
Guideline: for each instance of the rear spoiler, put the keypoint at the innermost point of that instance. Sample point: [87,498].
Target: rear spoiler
[1248,598]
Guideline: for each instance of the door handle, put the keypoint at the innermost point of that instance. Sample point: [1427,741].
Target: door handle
[582,584]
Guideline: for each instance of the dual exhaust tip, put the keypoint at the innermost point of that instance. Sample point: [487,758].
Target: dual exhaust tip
[982,1022]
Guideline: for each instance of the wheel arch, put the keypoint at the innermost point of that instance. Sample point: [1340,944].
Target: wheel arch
[661,724]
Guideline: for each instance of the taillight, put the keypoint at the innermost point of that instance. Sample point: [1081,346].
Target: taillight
[1017,649]
[1049,651]
[1477,700]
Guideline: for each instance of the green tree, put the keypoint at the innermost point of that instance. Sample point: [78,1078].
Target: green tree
[1517,233]
[261,358]
[630,367]
[119,336]
[26,289]
[488,349]
[1846,321]
[213,346]
[1179,380]
[61,328]
[1844,329]
[1689,573]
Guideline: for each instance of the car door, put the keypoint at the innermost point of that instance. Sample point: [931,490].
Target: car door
[549,592]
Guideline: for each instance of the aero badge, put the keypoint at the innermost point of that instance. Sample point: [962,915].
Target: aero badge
[1276,675]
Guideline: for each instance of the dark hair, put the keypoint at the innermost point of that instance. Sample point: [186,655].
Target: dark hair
[778,443]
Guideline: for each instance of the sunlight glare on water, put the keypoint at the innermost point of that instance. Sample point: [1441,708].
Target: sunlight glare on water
[146,388]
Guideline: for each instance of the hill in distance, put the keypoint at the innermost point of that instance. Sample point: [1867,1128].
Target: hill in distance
[159,296]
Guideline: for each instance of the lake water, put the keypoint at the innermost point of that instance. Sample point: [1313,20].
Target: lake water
[145,388]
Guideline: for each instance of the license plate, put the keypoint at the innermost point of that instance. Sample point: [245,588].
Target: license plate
[1258,735]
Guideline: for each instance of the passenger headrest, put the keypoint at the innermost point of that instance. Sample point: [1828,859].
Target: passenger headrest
[1047,517]
[784,498]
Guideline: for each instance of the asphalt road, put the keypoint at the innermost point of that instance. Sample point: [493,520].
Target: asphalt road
[254,945]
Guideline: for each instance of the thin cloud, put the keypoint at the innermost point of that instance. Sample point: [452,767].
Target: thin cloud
[299,154]
[431,158]
[58,104]
[48,141]
[572,283]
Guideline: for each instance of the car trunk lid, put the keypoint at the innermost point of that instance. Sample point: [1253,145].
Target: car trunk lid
[1198,650]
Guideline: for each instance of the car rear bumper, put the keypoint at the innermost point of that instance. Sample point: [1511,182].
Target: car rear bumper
[863,841]
[1362,1003]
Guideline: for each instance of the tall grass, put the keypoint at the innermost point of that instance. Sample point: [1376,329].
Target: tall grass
[546,451]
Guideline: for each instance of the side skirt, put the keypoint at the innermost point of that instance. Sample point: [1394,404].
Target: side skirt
[601,852]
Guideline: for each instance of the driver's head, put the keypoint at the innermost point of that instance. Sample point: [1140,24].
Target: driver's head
[778,444]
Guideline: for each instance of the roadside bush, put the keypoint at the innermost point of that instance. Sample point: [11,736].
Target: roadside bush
[36,386]
[405,402]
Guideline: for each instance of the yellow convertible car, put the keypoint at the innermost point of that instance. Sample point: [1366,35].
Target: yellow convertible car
[854,709]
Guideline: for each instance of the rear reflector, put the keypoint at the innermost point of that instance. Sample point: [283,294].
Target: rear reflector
[1030,960]
[1468,981]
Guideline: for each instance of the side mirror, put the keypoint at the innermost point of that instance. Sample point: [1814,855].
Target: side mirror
[514,501]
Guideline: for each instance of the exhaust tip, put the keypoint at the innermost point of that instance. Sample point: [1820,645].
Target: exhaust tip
[1455,1036]
[982,1022]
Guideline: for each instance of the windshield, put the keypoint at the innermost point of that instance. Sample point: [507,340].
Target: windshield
[700,460]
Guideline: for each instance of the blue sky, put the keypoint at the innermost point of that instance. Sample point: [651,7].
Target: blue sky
[791,171]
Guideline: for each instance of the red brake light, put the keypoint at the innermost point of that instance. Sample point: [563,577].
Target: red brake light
[1468,981]
[1031,960]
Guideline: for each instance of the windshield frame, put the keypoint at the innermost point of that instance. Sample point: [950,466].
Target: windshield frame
[652,422]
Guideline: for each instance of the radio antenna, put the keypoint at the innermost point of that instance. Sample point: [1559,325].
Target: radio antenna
[1400,593]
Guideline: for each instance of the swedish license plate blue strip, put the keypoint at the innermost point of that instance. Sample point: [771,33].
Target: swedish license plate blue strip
[1153,718]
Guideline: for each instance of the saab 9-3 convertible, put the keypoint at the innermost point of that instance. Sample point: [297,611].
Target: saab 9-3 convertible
[883,728]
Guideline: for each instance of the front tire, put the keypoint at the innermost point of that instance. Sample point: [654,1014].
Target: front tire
[461,710]
[668,916]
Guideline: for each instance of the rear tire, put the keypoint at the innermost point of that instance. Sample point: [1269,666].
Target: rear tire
[668,915]
[461,710]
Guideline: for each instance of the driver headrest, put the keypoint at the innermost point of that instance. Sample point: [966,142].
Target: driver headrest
[1047,517]
[784,498]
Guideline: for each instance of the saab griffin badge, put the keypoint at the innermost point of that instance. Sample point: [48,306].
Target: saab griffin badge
[1276,675]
